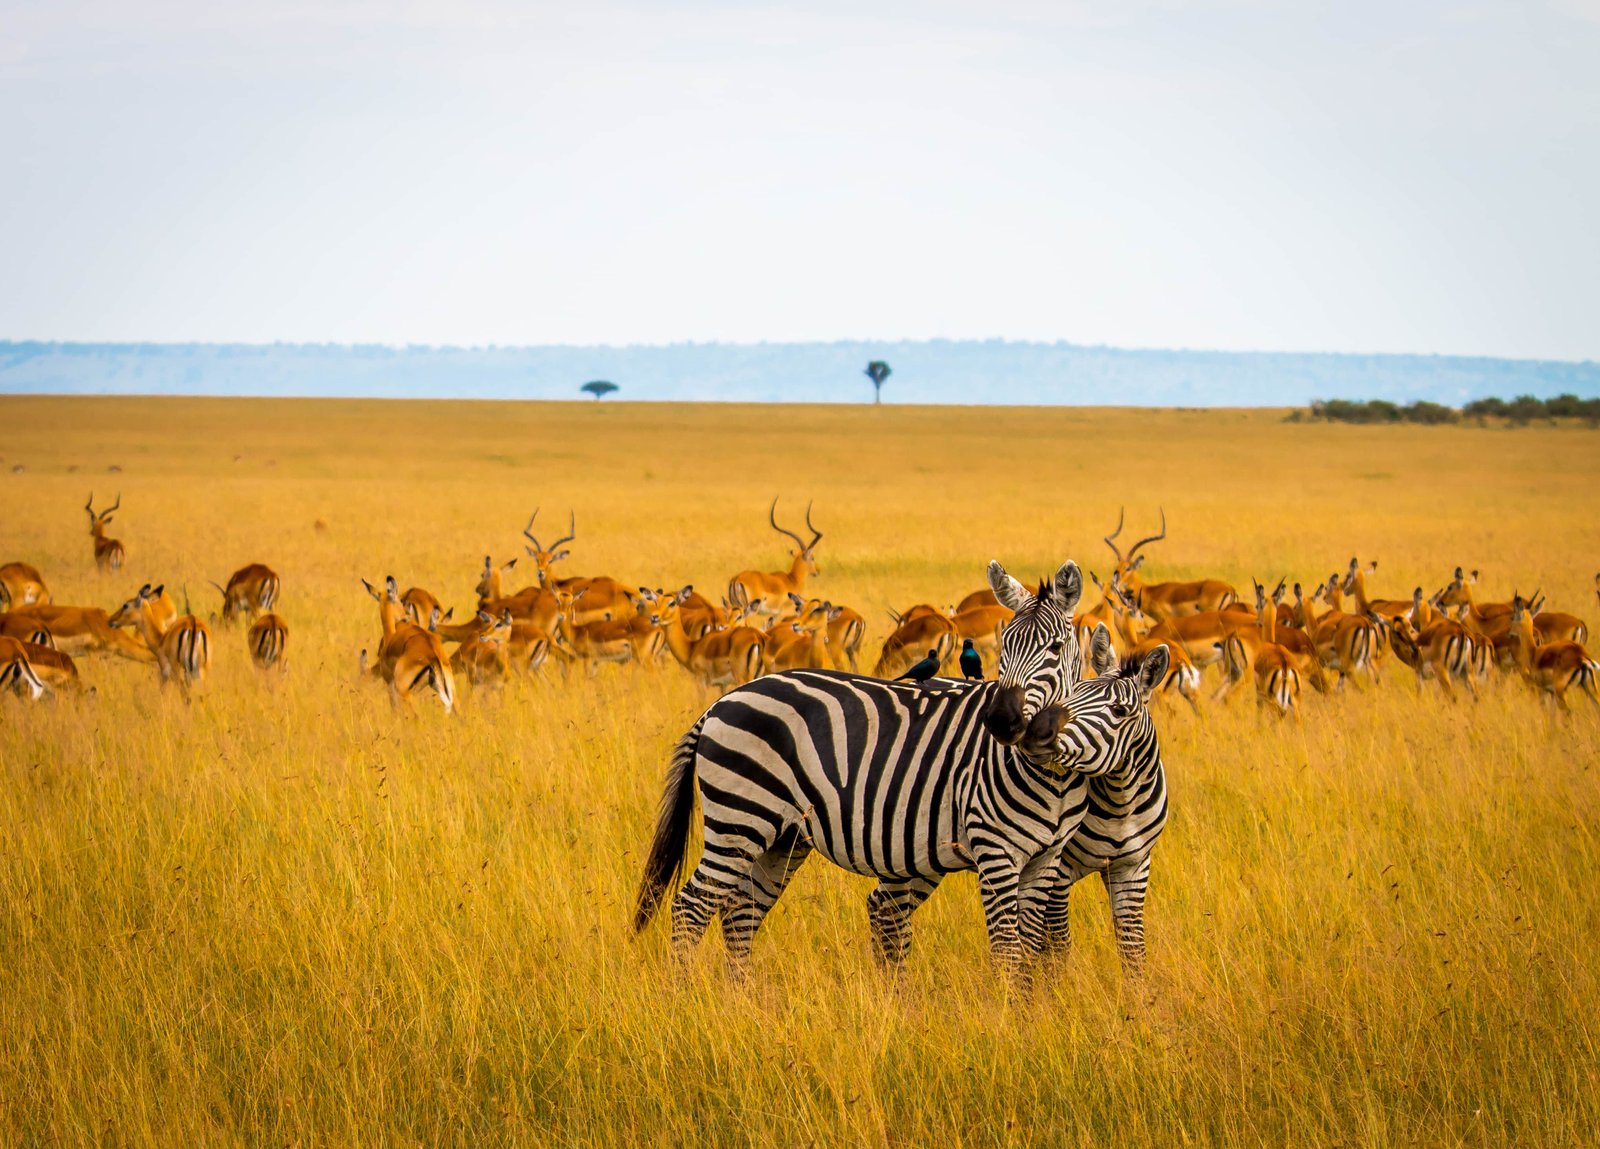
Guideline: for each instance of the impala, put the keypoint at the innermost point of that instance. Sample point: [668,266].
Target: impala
[1355,584]
[21,585]
[1133,626]
[533,604]
[1258,651]
[912,639]
[799,646]
[25,628]
[1553,667]
[83,630]
[17,673]
[725,658]
[1344,642]
[56,670]
[636,638]
[984,597]
[266,640]
[603,597]
[1441,650]
[420,606]
[182,646]
[767,592]
[251,591]
[108,552]
[1165,600]
[483,658]
[410,656]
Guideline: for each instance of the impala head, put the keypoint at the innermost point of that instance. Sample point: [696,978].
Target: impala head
[128,613]
[489,581]
[1133,560]
[805,551]
[1103,716]
[1039,659]
[544,557]
[99,519]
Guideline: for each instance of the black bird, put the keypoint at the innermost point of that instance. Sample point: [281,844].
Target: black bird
[971,660]
[923,670]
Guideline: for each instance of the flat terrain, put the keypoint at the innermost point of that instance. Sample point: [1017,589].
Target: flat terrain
[289,915]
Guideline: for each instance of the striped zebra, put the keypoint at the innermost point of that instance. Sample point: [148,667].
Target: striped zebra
[899,781]
[1104,733]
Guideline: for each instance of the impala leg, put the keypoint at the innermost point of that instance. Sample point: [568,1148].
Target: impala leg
[889,909]
[751,898]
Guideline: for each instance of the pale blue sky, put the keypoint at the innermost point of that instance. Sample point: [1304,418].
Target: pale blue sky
[1347,176]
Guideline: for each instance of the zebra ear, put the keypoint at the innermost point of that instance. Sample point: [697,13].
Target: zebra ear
[1102,658]
[1069,586]
[1153,670]
[1011,593]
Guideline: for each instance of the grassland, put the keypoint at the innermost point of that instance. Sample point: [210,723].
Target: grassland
[289,916]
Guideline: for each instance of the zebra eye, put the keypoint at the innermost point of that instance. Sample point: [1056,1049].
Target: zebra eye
[1057,646]
[1119,711]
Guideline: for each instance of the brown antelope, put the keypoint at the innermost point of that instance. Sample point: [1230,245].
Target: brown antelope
[1257,651]
[266,640]
[912,639]
[56,670]
[420,605]
[534,604]
[1355,584]
[528,647]
[83,630]
[25,628]
[1441,650]
[799,646]
[983,624]
[251,591]
[984,597]
[410,656]
[1553,626]
[920,610]
[846,628]
[1165,600]
[604,598]
[700,614]
[725,658]
[483,658]
[1553,668]
[636,638]
[767,592]
[182,645]
[17,673]
[21,585]
[1344,642]
[108,552]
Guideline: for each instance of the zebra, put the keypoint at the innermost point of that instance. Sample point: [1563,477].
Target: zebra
[1104,733]
[904,782]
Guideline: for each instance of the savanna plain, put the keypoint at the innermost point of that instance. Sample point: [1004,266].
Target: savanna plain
[284,913]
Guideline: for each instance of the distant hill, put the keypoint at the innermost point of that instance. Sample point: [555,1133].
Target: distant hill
[933,371]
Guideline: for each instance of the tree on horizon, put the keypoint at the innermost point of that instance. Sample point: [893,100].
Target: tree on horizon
[599,388]
[877,371]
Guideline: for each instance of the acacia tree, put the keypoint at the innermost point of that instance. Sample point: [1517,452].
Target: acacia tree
[877,371]
[599,388]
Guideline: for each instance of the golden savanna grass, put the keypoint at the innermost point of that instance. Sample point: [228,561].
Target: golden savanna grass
[291,916]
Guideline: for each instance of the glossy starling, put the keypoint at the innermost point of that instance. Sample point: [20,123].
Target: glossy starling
[923,670]
[971,660]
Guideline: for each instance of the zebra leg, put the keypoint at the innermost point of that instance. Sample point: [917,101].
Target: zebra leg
[1057,922]
[724,866]
[889,909]
[747,905]
[1035,883]
[1126,886]
[998,878]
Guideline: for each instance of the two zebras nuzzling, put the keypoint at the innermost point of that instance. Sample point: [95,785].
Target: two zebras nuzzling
[1033,780]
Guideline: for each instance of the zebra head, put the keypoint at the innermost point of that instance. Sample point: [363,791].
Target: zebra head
[1039,659]
[1103,718]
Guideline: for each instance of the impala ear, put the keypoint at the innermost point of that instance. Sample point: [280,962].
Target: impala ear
[157,593]
[1102,657]
[448,613]
[1153,670]
[1011,593]
[370,589]
[1068,586]
[488,564]
[509,565]
[559,555]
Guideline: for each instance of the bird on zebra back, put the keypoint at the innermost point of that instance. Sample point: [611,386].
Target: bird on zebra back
[1104,734]
[922,671]
[971,661]
[900,782]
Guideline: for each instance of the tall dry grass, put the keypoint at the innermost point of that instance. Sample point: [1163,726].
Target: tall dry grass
[287,915]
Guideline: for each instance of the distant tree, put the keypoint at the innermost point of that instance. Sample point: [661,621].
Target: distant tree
[877,371]
[599,387]
[1434,414]
[1481,409]
[1524,409]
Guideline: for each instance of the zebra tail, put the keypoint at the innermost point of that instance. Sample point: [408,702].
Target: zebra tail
[665,860]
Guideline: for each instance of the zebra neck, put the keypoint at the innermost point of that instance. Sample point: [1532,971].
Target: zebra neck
[1129,781]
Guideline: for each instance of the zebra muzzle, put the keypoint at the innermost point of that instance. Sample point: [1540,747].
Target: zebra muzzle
[1039,739]
[1003,718]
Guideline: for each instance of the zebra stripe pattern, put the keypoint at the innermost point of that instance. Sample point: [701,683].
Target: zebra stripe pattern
[900,781]
[1107,736]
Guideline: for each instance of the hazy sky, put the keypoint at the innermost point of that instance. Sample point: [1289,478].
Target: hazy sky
[1348,176]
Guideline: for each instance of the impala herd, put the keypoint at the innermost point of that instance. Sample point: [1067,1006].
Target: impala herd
[1281,639]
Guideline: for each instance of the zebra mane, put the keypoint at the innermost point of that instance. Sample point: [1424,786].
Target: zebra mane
[1043,593]
[1130,665]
